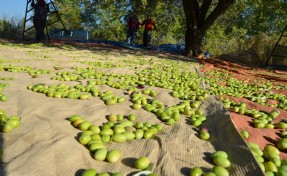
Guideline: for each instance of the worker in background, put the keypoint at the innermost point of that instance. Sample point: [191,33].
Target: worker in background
[40,18]
[149,24]
[133,27]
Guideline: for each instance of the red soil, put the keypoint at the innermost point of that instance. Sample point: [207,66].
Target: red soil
[243,122]
[284,92]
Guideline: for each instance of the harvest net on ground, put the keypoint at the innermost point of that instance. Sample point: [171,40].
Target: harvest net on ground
[171,102]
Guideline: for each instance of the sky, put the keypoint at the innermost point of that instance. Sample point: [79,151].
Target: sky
[12,8]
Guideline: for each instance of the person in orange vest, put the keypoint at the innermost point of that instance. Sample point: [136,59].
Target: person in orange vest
[40,18]
[149,24]
[133,27]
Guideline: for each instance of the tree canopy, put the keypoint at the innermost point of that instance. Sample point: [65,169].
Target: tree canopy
[231,31]
[222,25]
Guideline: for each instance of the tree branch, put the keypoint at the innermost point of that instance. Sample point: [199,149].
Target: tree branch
[204,9]
[221,7]
[191,10]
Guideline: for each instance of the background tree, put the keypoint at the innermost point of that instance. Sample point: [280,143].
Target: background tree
[108,19]
[70,12]
[10,28]
[105,20]
[247,25]
[263,16]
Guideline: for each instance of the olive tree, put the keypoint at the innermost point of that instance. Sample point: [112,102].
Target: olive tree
[200,15]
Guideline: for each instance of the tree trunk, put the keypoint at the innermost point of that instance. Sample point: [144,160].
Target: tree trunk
[193,42]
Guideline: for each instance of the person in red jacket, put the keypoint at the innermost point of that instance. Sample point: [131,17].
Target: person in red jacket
[133,27]
[40,18]
[149,24]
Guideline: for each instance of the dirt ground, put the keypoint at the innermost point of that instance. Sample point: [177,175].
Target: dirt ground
[262,137]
